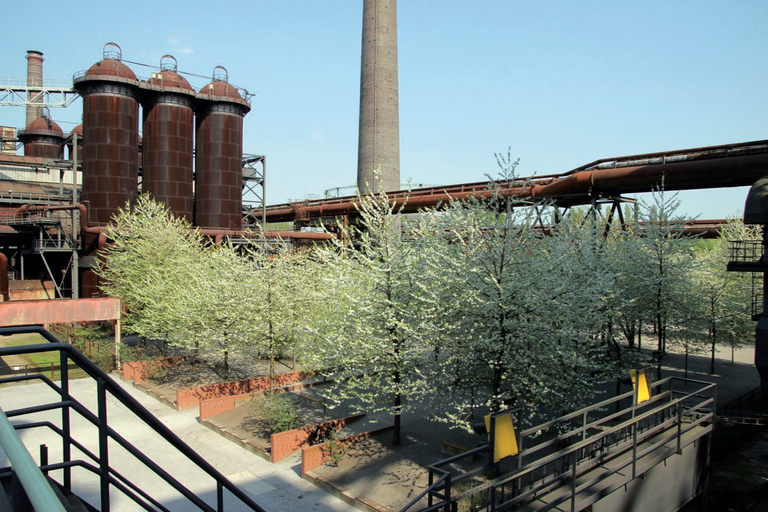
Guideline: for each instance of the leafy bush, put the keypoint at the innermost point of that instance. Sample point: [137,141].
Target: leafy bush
[278,412]
[335,450]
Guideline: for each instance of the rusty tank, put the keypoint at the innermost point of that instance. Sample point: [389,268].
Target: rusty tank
[219,154]
[110,92]
[167,147]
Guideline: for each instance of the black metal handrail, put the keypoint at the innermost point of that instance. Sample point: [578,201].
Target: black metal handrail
[108,476]
[597,438]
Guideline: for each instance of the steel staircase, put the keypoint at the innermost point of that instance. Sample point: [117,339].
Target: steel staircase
[76,456]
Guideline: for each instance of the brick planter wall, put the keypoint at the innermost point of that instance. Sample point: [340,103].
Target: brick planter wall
[139,371]
[190,397]
[285,443]
[315,456]
[216,406]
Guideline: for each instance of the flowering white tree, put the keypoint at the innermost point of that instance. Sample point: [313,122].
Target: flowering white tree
[286,291]
[146,264]
[660,260]
[373,340]
[524,309]
[724,297]
[222,292]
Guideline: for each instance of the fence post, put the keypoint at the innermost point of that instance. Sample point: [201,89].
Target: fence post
[679,427]
[66,426]
[103,445]
[634,450]
[574,474]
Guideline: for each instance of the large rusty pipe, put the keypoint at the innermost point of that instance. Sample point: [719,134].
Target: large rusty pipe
[94,230]
[640,174]
[218,234]
[4,289]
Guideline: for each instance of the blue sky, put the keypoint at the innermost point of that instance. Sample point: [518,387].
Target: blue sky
[562,83]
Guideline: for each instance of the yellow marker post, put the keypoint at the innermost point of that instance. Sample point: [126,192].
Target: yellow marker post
[642,386]
[504,439]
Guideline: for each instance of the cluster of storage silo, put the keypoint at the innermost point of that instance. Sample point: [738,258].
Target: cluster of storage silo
[175,119]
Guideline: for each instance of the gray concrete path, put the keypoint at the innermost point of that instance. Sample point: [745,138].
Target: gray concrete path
[275,487]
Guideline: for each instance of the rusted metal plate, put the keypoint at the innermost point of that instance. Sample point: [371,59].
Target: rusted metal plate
[39,312]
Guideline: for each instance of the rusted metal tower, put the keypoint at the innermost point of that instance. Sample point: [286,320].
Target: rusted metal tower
[219,161]
[110,92]
[379,135]
[169,133]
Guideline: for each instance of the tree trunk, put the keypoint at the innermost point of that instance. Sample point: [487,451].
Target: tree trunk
[396,431]
[271,342]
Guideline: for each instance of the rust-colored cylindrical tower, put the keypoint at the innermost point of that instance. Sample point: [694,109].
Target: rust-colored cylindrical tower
[77,130]
[169,125]
[34,79]
[219,154]
[379,135]
[42,138]
[110,135]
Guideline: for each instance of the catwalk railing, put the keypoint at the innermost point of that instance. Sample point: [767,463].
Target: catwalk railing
[614,435]
[97,461]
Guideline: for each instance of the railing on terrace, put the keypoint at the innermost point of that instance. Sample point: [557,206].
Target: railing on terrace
[594,436]
[100,353]
[748,408]
[745,251]
[97,461]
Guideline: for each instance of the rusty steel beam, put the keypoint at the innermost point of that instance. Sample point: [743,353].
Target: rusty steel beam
[39,312]
[729,165]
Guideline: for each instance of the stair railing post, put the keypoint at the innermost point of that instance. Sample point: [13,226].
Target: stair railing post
[103,445]
[43,458]
[66,425]
[574,475]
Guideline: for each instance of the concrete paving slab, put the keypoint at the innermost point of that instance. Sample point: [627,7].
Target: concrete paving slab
[274,487]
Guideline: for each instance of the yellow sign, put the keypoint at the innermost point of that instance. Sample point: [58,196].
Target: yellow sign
[641,385]
[505,442]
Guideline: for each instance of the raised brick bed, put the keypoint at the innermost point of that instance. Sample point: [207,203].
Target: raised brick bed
[190,397]
[285,443]
[139,371]
[315,456]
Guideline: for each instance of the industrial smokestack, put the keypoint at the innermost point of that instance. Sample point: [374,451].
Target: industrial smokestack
[379,136]
[34,79]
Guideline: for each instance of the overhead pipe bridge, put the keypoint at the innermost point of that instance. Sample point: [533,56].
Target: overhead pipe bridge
[728,165]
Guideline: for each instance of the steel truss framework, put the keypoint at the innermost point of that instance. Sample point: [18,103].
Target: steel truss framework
[254,191]
[47,235]
[55,94]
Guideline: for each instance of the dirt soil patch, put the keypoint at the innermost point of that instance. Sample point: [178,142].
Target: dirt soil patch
[203,372]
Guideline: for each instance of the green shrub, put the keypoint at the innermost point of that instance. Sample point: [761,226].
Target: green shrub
[278,412]
[335,450]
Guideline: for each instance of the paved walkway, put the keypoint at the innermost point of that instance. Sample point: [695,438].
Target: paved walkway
[275,487]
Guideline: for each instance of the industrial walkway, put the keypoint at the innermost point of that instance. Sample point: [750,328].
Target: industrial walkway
[275,487]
